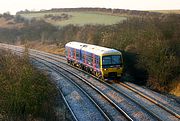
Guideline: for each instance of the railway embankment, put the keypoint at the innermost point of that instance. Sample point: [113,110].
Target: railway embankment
[26,93]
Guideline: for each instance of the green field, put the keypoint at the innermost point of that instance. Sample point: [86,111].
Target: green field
[79,18]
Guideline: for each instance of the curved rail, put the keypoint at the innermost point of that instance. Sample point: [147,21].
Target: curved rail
[138,92]
[150,99]
[130,88]
[66,102]
[89,97]
[100,92]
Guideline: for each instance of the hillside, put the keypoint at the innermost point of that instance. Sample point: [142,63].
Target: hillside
[83,16]
[75,18]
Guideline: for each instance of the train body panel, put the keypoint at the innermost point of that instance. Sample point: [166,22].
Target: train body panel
[100,61]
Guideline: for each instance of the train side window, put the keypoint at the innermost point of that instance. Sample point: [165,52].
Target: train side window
[90,61]
[72,53]
[77,54]
[83,56]
[89,58]
[97,62]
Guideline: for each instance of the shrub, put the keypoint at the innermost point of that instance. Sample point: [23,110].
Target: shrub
[25,92]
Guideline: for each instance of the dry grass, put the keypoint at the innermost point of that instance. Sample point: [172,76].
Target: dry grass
[9,24]
[173,88]
[167,11]
[176,88]
[50,48]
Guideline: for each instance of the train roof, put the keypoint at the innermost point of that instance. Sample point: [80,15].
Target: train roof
[98,50]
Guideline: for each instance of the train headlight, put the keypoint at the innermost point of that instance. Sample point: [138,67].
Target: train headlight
[105,69]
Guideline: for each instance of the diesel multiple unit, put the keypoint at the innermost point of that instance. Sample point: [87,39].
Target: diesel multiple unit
[100,61]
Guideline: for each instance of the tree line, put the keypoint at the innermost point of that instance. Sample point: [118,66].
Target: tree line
[106,10]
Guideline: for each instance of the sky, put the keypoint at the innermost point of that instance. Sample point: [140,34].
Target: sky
[16,5]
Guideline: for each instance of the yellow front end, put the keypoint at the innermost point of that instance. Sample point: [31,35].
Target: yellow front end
[112,72]
[115,70]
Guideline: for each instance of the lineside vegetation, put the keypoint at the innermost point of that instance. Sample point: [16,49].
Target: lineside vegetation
[25,93]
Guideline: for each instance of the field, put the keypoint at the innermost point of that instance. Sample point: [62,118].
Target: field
[78,18]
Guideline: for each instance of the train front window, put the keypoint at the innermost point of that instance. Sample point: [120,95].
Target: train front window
[111,60]
[115,59]
[107,60]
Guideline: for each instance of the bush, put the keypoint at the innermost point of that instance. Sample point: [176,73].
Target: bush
[26,93]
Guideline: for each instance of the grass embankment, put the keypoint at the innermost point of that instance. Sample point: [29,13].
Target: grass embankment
[25,92]
[50,48]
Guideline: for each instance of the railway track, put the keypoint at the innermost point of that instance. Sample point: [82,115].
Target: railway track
[83,83]
[157,98]
[110,100]
[172,114]
[139,93]
[150,99]
[73,112]
[78,84]
[55,69]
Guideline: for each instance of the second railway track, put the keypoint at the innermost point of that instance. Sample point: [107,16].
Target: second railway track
[113,111]
[135,113]
[169,110]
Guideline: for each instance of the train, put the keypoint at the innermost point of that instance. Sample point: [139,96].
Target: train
[102,62]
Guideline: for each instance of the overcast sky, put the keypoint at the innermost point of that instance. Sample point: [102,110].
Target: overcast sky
[16,5]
